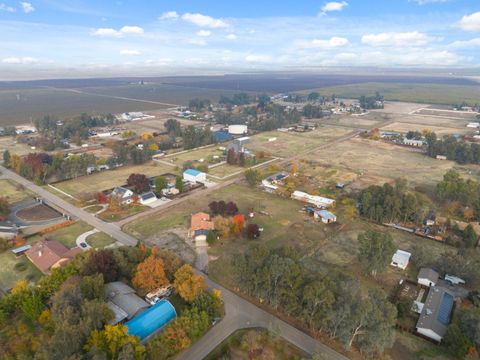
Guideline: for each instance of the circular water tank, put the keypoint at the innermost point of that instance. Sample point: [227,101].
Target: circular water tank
[237,129]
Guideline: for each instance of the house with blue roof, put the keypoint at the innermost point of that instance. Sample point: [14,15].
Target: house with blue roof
[194,176]
[151,320]
[326,216]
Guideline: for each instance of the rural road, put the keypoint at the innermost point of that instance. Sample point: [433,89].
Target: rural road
[110,229]
[241,314]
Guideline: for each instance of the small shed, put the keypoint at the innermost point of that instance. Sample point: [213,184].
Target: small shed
[401,259]
[326,216]
[194,176]
[427,277]
[148,198]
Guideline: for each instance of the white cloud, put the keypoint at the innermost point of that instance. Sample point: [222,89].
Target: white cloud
[333,6]
[204,33]
[169,15]
[132,30]
[204,20]
[424,2]
[199,42]
[6,8]
[256,58]
[27,7]
[231,37]
[126,30]
[20,60]
[465,44]
[470,22]
[332,43]
[130,52]
[413,38]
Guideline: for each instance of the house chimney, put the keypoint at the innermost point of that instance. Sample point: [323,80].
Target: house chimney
[40,250]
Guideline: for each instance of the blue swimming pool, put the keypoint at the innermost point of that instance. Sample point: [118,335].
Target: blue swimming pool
[151,319]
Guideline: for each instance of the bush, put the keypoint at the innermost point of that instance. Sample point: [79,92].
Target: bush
[19,267]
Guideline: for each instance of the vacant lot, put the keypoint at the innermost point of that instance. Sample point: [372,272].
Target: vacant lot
[109,179]
[290,144]
[243,343]
[405,127]
[38,213]
[13,191]
[194,155]
[68,235]
[378,161]
[448,113]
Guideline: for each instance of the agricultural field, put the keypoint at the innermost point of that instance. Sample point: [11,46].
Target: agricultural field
[109,179]
[291,144]
[13,191]
[409,92]
[243,343]
[376,162]
[405,127]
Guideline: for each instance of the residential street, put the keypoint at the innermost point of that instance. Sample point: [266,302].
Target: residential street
[111,229]
[240,313]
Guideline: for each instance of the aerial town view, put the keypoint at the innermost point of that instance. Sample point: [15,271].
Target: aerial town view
[239,180]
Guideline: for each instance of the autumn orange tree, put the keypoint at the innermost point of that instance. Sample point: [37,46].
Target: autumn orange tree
[188,284]
[150,275]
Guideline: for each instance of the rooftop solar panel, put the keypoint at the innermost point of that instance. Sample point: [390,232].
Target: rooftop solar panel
[445,309]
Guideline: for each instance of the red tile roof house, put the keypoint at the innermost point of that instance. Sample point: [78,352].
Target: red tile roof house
[201,224]
[50,254]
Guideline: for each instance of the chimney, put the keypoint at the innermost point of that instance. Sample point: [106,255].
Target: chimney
[40,250]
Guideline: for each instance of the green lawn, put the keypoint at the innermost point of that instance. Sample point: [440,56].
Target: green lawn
[9,275]
[13,192]
[68,235]
[93,209]
[100,240]
[121,214]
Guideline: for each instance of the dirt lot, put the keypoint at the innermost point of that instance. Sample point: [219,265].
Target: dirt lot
[109,179]
[404,127]
[448,113]
[383,162]
[38,213]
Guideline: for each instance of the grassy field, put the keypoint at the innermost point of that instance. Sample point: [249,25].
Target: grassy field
[11,270]
[13,191]
[194,155]
[10,144]
[99,240]
[376,162]
[123,213]
[111,178]
[290,144]
[239,346]
[418,93]
[404,127]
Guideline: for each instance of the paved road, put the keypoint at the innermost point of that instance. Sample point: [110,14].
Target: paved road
[241,314]
[111,229]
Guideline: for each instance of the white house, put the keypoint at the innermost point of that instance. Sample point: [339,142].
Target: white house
[194,176]
[401,259]
[436,313]
[427,277]
[125,196]
[318,201]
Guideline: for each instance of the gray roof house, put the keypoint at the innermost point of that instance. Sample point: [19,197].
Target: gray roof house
[427,277]
[436,313]
[123,301]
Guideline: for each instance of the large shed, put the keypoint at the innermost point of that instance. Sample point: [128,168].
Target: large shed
[151,320]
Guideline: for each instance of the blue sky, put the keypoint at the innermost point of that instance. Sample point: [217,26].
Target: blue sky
[39,38]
